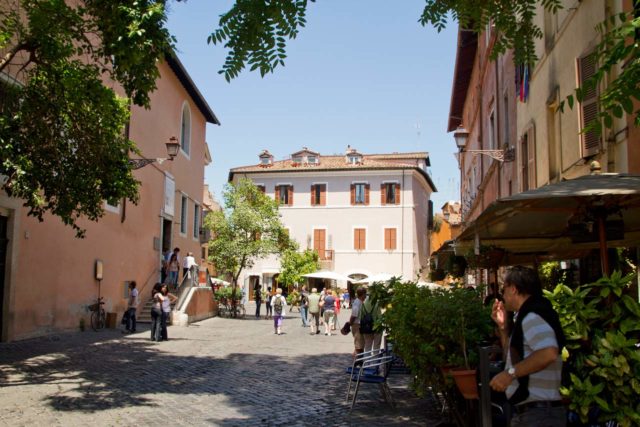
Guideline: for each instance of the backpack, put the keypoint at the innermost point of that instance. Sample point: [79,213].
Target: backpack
[277,306]
[366,322]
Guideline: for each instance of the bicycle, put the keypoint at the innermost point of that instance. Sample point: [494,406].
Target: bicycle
[98,315]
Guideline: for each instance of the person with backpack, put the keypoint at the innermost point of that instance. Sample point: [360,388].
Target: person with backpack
[314,311]
[279,305]
[354,320]
[328,303]
[369,313]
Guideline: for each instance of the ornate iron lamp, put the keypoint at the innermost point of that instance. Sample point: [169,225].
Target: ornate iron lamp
[172,151]
[461,135]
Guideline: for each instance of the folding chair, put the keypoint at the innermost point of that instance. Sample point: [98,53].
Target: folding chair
[357,363]
[378,361]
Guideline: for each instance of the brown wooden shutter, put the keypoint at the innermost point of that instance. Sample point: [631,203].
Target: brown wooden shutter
[590,141]
[278,193]
[383,194]
[290,189]
[531,138]
[356,240]
[313,195]
[323,194]
[319,243]
[353,194]
[397,193]
[367,189]
[363,238]
[386,238]
[392,239]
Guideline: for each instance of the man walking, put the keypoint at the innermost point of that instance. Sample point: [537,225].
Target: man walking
[304,306]
[257,295]
[132,306]
[354,320]
[532,376]
[314,311]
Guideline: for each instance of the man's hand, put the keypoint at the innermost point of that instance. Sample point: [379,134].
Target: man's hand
[501,381]
[499,314]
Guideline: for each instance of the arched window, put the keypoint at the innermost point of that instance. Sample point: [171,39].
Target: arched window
[185,129]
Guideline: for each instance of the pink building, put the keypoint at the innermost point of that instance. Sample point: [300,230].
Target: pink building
[48,276]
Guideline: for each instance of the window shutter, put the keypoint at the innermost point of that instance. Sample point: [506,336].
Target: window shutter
[531,138]
[313,195]
[367,188]
[353,194]
[383,194]
[277,193]
[430,216]
[323,194]
[356,240]
[590,141]
[290,189]
[363,238]
[387,238]
[397,193]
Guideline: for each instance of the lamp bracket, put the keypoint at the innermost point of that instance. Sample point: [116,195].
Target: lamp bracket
[140,163]
[508,155]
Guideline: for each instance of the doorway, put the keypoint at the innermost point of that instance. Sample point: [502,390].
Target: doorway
[165,246]
[4,221]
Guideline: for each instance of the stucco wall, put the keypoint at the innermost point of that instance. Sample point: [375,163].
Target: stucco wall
[202,305]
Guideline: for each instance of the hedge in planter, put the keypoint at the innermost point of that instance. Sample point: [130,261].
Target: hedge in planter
[602,326]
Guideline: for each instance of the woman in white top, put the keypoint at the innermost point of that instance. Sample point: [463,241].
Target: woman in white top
[167,300]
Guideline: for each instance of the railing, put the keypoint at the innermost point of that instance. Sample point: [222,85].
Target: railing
[326,259]
[188,281]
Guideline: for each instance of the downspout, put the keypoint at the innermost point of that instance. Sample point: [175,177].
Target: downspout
[498,127]
[402,226]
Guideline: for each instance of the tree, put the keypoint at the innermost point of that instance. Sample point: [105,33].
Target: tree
[294,264]
[255,33]
[63,148]
[249,228]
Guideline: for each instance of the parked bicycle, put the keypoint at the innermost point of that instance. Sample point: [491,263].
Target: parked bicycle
[98,315]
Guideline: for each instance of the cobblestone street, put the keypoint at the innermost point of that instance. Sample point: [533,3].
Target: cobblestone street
[225,372]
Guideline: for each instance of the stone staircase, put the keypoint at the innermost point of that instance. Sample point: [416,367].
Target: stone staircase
[144,313]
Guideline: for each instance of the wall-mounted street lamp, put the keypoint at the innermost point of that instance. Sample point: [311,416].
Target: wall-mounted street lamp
[172,151]
[461,135]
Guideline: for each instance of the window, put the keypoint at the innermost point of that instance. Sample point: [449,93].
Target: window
[185,129]
[284,194]
[591,141]
[354,160]
[492,131]
[360,194]
[390,193]
[505,119]
[112,206]
[265,160]
[320,243]
[196,220]
[359,239]
[390,239]
[527,159]
[318,194]
[261,188]
[183,215]
[312,159]
[297,159]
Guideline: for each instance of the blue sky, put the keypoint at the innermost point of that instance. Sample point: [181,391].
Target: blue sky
[363,73]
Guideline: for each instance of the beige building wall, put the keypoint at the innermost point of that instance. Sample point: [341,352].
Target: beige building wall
[50,279]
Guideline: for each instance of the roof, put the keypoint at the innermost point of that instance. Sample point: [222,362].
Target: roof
[393,161]
[465,59]
[191,88]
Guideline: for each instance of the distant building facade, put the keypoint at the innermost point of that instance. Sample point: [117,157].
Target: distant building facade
[363,213]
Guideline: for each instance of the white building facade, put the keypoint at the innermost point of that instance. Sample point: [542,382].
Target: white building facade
[364,214]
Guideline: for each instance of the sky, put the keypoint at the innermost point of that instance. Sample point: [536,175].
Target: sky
[362,73]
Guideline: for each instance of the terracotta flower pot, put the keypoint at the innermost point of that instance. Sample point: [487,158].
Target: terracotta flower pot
[466,382]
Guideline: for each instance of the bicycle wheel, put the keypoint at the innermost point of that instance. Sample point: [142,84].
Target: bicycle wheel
[98,320]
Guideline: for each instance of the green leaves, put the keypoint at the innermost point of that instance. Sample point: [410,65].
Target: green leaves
[602,325]
[294,264]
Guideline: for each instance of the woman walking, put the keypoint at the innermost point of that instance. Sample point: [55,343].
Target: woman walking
[173,270]
[267,304]
[156,312]
[328,303]
[279,304]
[167,300]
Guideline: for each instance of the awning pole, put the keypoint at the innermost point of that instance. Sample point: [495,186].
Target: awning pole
[604,256]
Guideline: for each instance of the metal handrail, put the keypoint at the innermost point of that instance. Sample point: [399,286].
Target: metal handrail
[188,281]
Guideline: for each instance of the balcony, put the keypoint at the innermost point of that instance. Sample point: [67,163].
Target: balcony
[326,259]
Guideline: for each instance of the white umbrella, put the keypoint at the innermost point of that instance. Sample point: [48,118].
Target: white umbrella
[325,274]
[432,286]
[219,281]
[380,277]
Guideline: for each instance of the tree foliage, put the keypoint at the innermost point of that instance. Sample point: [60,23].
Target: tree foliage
[63,148]
[294,264]
[249,228]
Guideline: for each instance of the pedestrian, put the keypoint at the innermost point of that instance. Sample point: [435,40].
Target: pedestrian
[173,269]
[369,314]
[304,306]
[328,303]
[187,262]
[279,304]
[354,320]
[167,300]
[267,304]
[257,294]
[533,368]
[314,311]
[156,312]
[164,272]
[336,324]
[132,306]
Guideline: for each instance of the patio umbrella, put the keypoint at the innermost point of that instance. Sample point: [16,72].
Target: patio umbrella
[380,277]
[325,274]
[432,286]
[592,211]
[217,281]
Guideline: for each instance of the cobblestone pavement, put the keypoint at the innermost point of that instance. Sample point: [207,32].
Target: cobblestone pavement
[225,372]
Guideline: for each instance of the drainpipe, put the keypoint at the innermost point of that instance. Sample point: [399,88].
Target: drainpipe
[402,199]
